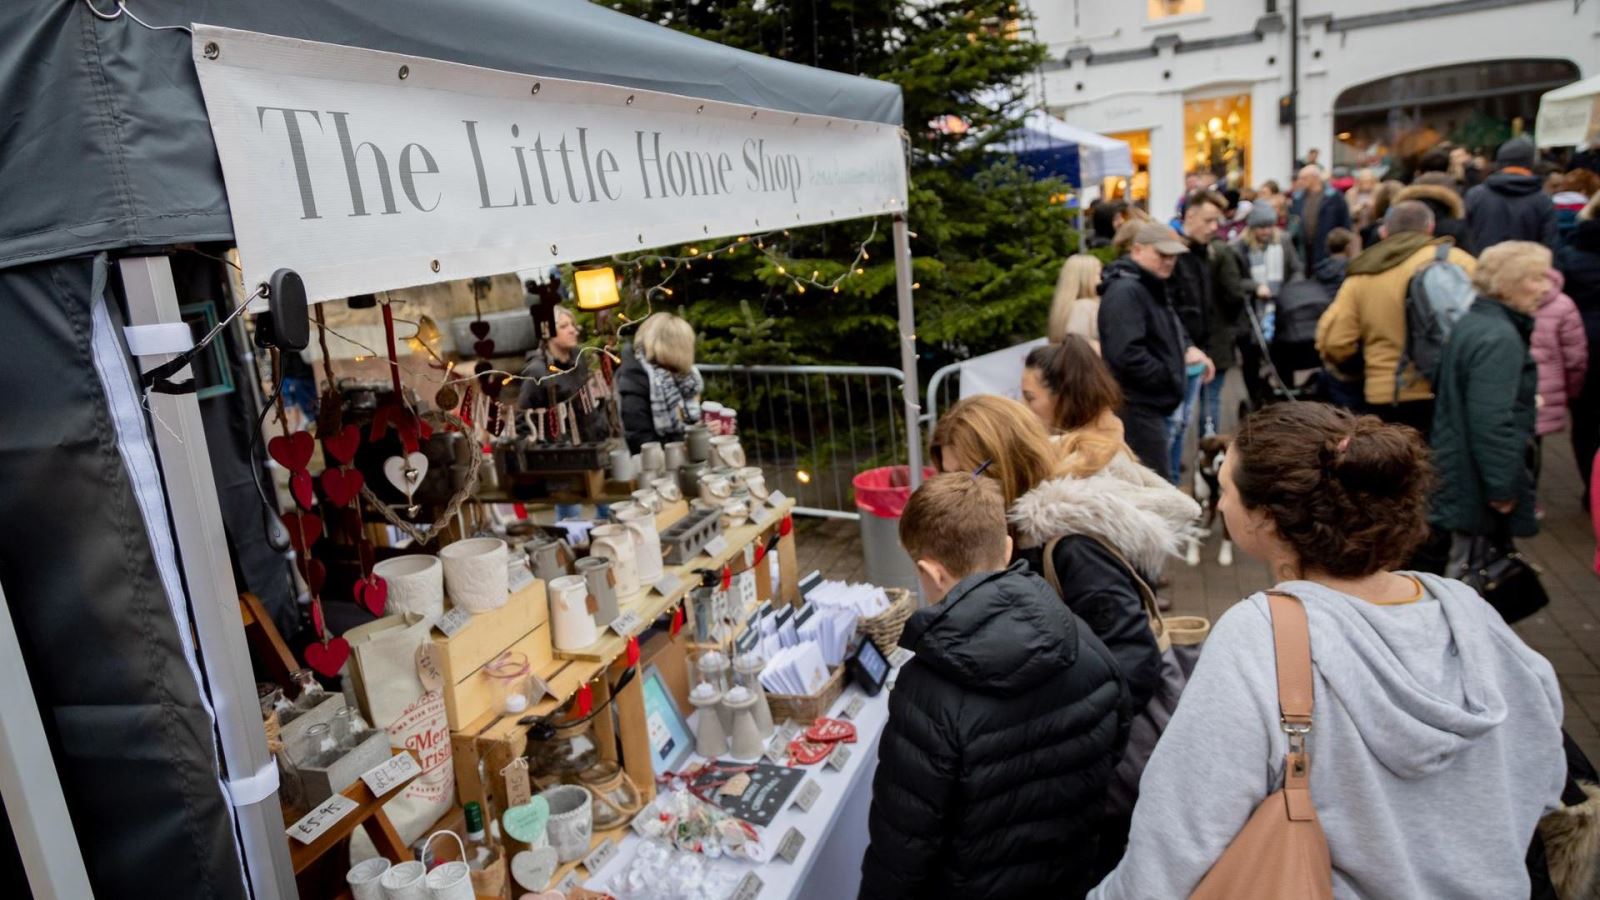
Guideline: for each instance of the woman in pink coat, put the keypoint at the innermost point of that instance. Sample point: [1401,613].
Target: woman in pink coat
[1562,352]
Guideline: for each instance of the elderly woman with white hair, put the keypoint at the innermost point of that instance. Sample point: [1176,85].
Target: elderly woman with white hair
[1483,422]
[658,389]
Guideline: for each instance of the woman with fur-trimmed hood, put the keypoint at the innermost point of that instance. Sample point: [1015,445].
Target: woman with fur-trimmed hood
[1435,191]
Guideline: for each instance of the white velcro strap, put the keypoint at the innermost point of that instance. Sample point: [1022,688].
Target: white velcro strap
[255,788]
[148,340]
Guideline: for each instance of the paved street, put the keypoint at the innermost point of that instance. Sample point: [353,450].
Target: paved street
[1567,632]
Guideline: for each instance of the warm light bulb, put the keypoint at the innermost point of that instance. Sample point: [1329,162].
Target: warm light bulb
[667,291]
[865,255]
[915,285]
[507,380]
[800,286]
[836,289]
[694,251]
[802,476]
[782,271]
[860,271]
[553,371]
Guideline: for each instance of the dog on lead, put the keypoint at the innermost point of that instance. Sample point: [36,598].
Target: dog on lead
[1207,491]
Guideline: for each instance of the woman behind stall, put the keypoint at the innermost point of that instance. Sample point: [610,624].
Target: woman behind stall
[1076,307]
[1435,743]
[658,389]
[556,374]
[1074,396]
[1098,519]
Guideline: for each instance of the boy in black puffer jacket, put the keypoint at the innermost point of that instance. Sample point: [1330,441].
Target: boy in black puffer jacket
[1003,730]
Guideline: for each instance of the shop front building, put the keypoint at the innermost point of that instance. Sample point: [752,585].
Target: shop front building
[1210,85]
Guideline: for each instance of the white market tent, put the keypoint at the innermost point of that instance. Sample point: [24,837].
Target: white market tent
[1570,116]
[124,140]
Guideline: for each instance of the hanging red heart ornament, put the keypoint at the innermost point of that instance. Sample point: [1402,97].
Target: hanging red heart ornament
[633,650]
[480,329]
[304,529]
[316,574]
[343,444]
[292,451]
[786,526]
[341,485]
[373,593]
[727,577]
[300,487]
[484,348]
[329,657]
[677,621]
[584,701]
[761,552]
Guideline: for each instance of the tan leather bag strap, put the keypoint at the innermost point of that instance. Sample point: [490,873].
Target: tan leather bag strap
[1147,596]
[1291,639]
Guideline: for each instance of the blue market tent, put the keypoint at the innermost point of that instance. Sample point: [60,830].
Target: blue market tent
[1051,147]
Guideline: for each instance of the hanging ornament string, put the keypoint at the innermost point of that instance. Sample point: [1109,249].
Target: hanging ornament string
[468,487]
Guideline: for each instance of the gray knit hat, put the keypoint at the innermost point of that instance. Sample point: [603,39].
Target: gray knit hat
[1262,214]
[1516,152]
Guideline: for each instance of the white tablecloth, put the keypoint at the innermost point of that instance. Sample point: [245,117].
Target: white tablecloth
[835,828]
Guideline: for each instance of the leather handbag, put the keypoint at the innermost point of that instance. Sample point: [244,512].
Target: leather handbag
[1492,565]
[1282,850]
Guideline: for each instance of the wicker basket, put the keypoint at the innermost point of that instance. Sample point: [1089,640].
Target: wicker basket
[805,710]
[885,627]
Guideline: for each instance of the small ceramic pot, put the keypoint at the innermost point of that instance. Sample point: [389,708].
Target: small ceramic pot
[416,584]
[475,573]
[734,514]
[596,572]
[572,625]
[571,824]
[622,468]
[652,459]
[649,499]
[753,480]
[711,415]
[689,478]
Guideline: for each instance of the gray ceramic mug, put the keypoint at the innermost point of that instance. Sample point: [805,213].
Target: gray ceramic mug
[697,441]
[551,557]
[596,572]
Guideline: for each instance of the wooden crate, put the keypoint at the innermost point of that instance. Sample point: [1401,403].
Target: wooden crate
[520,626]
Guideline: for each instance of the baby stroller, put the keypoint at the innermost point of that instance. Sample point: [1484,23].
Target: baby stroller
[1280,353]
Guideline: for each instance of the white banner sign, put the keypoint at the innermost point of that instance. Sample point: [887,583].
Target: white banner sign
[363,170]
[999,372]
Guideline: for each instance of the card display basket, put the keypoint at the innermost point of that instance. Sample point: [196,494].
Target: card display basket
[807,709]
[684,541]
[885,627]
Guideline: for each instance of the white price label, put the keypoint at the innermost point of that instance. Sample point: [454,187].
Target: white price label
[387,776]
[807,796]
[762,517]
[789,847]
[567,884]
[900,657]
[839,756]
[749,887]
[668,584]
[599,856]
[777,746]
[627,624]
[717,546]
[314,823]
[453,621]
[854,708]
[776,499]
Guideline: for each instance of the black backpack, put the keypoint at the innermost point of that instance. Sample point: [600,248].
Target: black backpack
[1300,304]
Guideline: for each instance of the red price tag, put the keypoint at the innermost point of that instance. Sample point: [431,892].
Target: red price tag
[786,526]
[633,651]
[677,621]
[727,578]
[585,701]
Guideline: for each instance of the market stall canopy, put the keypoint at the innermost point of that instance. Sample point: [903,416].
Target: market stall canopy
[1052,147]
[1570,116]
[108,145]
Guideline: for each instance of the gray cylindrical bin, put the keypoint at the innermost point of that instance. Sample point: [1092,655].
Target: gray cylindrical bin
[881,496]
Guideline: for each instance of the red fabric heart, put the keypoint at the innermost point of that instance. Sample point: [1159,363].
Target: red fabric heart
[831,730]
[304,529]
[727,578]
[341,485]
[318,624]
[327,659]
[585,701]
[480,329]
[804,753]
[300,487]
[633,650]
[484,348]
[677,621]
[343,445]
[373,593]
[292,451]
[761,552]
[315,574]
[786,526]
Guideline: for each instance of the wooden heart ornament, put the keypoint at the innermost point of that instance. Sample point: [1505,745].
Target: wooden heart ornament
[373,593]
[304,529]
[484,348]
[341,485]
[327,659]
[343,444]
[300,487]
[406,472]
[480,329]
[292,451]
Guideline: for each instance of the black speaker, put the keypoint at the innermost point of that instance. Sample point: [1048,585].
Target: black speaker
[1286,109]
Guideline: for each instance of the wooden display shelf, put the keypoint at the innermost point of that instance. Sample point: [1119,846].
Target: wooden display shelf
[368,814]
[651,604]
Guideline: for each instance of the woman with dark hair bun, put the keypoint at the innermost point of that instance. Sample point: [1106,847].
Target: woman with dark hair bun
[1435,744]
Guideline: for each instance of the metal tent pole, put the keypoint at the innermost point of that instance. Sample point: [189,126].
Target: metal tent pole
[213,595]
[28,781]
[908,346]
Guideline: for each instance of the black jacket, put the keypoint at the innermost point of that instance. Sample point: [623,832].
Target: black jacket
[593,424]
[1002,735]
[633,402]
[1141,338]
[1333,213]
[1510,208]
[1579,262]
[1192,290]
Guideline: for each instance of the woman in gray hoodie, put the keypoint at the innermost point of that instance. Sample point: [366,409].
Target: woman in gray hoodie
[1436,733]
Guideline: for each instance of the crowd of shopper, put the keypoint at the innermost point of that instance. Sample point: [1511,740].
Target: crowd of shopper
[1447,325]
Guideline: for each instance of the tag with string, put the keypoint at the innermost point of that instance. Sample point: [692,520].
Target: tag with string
[518,788]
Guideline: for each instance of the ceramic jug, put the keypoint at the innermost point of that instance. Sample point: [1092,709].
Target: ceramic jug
[551,558]
[615,542]
[726,452]
[596,571]
[641,524]
[689,478]
[572,625]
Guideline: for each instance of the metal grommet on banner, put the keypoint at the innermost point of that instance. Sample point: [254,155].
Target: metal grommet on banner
[212,51]
[405,72]
[553,248]
[535,90]
[630,99]
[434,265]
[700,109]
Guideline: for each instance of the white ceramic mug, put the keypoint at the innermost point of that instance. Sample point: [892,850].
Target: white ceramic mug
[652,458]
[571,820]
[572,625]
[641,524]
[475,573]
[753,480]
[406,881]
[726,452]
[715,489]
[615,542]
[677,455]
[621,465]
[416,584]
[667,489]
[363,878]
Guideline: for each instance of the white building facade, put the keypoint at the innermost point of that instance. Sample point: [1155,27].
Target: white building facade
[1207,84]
